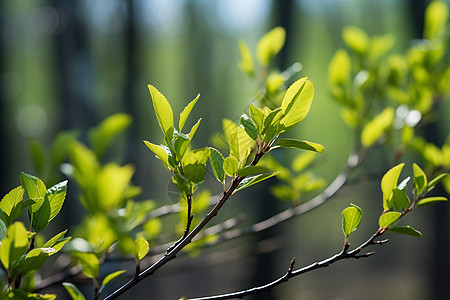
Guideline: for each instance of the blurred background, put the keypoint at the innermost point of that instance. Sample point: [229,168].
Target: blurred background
[68,64]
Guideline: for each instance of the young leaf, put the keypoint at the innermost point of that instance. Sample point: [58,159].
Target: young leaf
[56,240]
[252,170]
[356,39]
[399,199]
[194,129]
[388,218]
[388,184]
[56,195]
[195,164]
[251,180]
[296,102]
[257,116]
[102,136]
[216,159]
[408,230]
[89,262]
[436,16]
[73,291]
[430,201]
[111,277]
[41,217]
[376,127]
[420,179]
[435,181]
[270,44]
[35,189]
[14,245]
[35,259]
[162,153]
[339,69]
[230,165]
[163,112]
[249,127]
[291,143]
[230,130]
[186,112]
[9,202]
[351,217]
[141,248]
[246,63]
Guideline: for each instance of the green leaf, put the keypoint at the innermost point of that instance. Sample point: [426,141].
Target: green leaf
[270,44]
[3,230]
[430,201]
[339,69]
[194,129]
[252,170]
[57,242]
[230,165]
[230,130]
[11,200]
[388,184]
[141,248]
[302,161]
[102,136]
[388,218]
[408,230]
[216,159]
[246,63]
[73,291]
[163,112]
[111,277]
[400,200]
[274,82]
[351,217]
[377,127]
[305,145]
[18,294]
[249,127]
[251,180]
[162,153]
[356,39]
[41,217]
[257,116]
[35,189]
[14,245]
[436,16]
[296,102]
[89,262]
[420,179]
[186,112]
[195,164]
[435,181]
[38,155]
[35,259]
[181,143]
[56,195]
[112,183]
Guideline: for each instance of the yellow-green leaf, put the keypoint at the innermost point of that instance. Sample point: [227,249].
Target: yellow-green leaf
[436,16]
[420,179]
[377,127]
[73,291]
[408,230]
[141,248]
[270,44]
[246,63]
[339,69]
[186,112]
[216,159]
[351,218]
[356,39]
[296,102]
[430,201]
[305,145]
[163,112]
[230,165]
[388,218]
[389,183]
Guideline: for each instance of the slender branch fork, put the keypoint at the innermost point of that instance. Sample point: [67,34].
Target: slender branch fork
[178,246]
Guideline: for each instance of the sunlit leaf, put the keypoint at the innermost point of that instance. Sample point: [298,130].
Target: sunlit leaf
[270,44]
[195,164]
[356,39]
[339,69]
[430,201]
[257,116]
[436,180]
[163,112]
[388,184]
[230,165]
[251,180]
[56,195]
[35,189]
[420,179]
[249,127]
[162,153]
[351,217]
[305,145]
[112,183]
[274,82]
[388,218]
[141,248]
[302,161]
[377,127]
[14,245]
[186,112]
[400,200]
[73,291]
[216,159]
[230,130]
[246,63]
[35,259]
[111,277]
[252,170]
[89,262]
[101,137]
[436,16]
[296,102]
[41,217]
[408,230]
[9,202]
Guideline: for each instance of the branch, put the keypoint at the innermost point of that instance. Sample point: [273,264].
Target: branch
[188,239]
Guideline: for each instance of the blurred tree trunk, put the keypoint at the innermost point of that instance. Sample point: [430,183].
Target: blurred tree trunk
[440,262]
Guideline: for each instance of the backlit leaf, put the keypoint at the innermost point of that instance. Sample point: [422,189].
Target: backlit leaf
[56,195]
[388,184]
[270,44]
[216,159]
[430,201]
[186,112]
[296,102]
[356,39]
[249,127]
[436,180]
[339,69]
[257,116]
[89,262]
[252,170]
[420,179]
[11,200]
[408,230]
[305,145]
[251,180]
[246,63]
[162,153]
[230,165]
[73,291]
[388,218]
[436,16]
[163,112]
[377,127]
[141,248]
[112,276]
[400,200]
[41,217]
[351,218]
[35,189]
